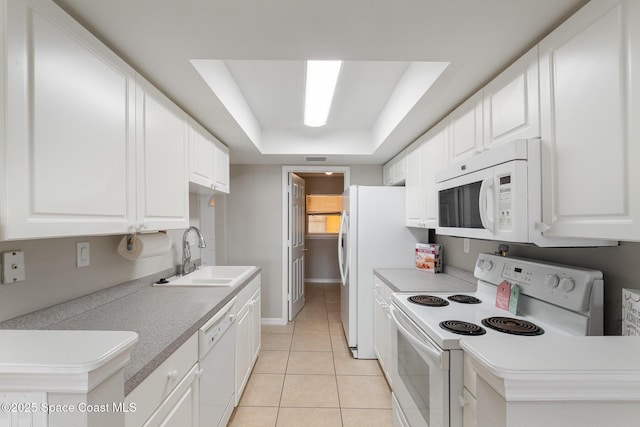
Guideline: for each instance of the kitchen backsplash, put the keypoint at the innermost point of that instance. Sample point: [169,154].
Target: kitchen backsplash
[52,276]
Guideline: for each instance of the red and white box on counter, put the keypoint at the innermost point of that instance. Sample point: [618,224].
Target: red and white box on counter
[429,257]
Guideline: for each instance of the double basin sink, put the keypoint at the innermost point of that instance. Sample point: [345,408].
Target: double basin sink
[216,275]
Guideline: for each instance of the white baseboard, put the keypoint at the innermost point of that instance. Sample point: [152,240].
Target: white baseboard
[273,321]
[322,280]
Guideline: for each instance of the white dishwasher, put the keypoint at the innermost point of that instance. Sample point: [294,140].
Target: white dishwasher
[216,347]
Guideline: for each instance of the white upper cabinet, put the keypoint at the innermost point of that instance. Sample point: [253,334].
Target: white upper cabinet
[435,155]
[431,155]
[511,103]
[394,172]
[413,193]
[201,157]
[69,146]
[90,148]
[161,142]
[208,161]
[465,129]
[221,156]
[590,104]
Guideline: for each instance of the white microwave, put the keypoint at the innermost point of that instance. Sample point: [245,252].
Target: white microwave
[496,195]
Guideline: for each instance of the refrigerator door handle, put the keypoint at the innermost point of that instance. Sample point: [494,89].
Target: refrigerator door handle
[341,259]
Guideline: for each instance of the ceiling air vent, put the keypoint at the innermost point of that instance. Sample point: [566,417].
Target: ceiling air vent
[315,158]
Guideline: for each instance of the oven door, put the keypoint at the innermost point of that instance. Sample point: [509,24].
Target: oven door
[420,375]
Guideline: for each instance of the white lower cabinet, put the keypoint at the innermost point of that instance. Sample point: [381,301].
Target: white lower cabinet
[248,329]
[169,395]
[468,398]
[590,101]
[382,327]
[180,408]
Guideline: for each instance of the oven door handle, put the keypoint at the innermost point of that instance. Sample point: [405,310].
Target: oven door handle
[429,351]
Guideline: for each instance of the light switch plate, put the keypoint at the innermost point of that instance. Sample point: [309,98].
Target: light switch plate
[12,267]
[82,254]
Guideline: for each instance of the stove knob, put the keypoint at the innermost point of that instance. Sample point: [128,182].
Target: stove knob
[567,284]
[485,265]
[552,280]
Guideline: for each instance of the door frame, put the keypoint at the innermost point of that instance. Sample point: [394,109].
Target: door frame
[345,171]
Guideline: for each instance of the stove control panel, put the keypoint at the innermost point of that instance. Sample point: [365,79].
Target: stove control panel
[565,286]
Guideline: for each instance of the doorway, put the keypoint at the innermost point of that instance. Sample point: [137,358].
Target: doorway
[315,255]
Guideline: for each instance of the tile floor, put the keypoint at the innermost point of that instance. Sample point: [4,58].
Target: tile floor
[305,375]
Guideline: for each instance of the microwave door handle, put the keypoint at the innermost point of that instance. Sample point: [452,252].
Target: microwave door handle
[483,204]
[433,354]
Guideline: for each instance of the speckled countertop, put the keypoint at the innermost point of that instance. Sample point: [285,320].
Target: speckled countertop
[411,279]
[163,317]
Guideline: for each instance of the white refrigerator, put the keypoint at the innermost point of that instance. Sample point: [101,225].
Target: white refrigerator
[372,235]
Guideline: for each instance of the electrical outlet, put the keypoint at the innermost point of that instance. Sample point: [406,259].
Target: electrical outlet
[12,267]
[82,254]
[465,245]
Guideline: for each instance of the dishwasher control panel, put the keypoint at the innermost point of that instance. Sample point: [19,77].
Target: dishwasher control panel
[211,332]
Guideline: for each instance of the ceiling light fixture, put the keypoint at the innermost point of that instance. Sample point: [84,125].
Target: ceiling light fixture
[322,77]
[328,173]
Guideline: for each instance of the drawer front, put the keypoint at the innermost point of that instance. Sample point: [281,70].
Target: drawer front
[246,293]
[151,392]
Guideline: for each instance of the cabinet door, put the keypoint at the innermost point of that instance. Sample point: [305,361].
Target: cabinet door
[69,147]
[465,129]
[434,159]
[590,101]
[256,327]
[221,183]
[400,170]
[511,103]
[378,328]
[163,192]
[181,407]
[387,173]
[413,189]
[244,352]
[201,156]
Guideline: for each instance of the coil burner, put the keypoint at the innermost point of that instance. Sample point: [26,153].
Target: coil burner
[512,326]
[462,328]
[428,300]
[464,299]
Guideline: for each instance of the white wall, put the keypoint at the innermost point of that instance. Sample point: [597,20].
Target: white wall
[620,266]
[254,223]
[52,276]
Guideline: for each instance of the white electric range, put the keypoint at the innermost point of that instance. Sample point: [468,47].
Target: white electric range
[427,372]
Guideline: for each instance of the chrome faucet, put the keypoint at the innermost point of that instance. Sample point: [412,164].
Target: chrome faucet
[186,250]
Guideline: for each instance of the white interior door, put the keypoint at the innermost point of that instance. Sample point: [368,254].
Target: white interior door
[297,250]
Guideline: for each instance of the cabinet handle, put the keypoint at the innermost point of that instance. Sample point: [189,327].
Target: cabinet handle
[172,376]
[199,372]
[462,401]
[542,227]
